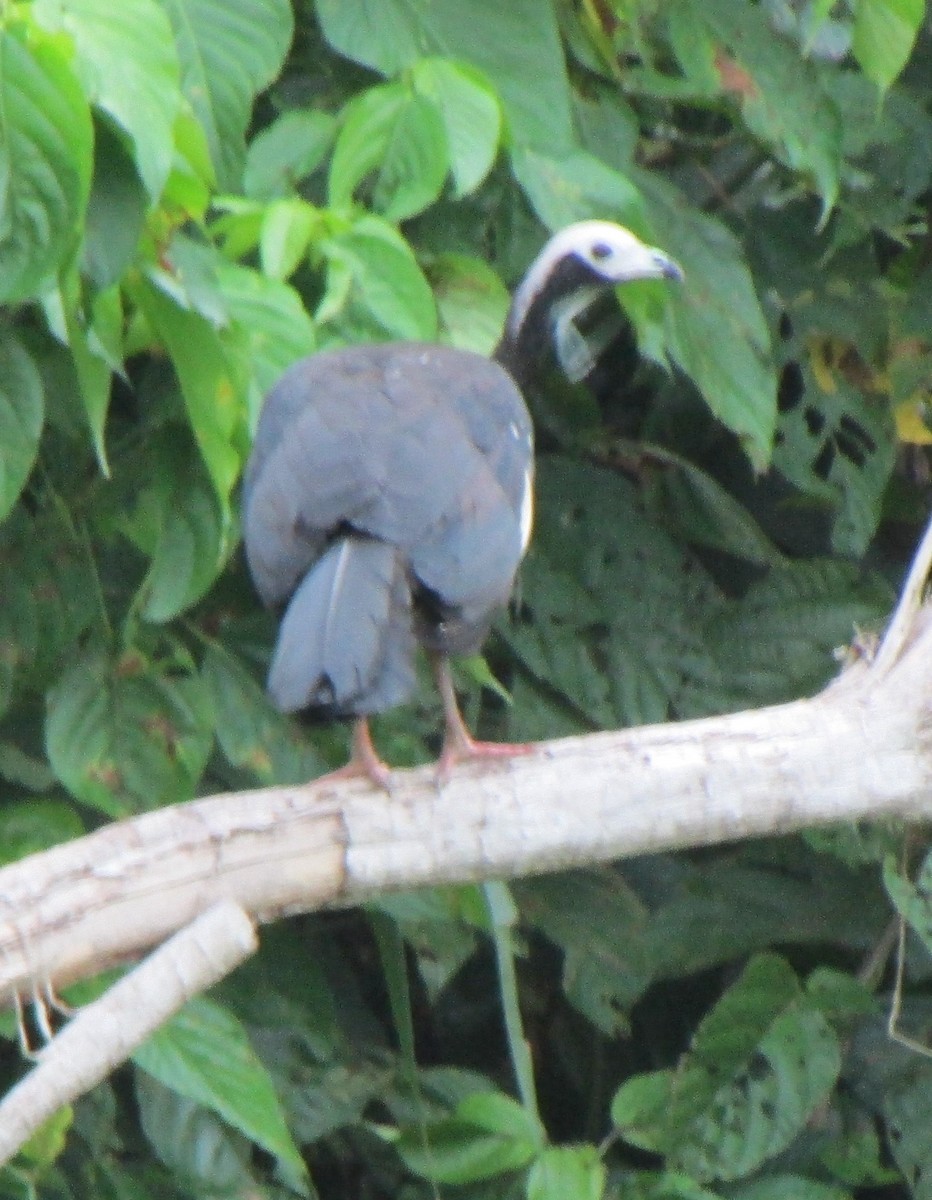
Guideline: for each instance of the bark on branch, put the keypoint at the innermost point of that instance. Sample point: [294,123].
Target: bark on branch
[860,749]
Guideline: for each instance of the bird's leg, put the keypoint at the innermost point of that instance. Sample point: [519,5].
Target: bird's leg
[458,743]
[363,761]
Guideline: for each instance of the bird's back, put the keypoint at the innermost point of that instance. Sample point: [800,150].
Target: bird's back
[422,449]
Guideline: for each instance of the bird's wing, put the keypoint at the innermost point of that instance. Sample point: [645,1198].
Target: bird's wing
[421,446]
[316,464]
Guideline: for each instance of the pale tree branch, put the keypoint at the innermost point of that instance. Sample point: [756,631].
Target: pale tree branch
[105,1033]
[861,749]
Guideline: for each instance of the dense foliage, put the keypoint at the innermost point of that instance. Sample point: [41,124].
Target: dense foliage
[197,192]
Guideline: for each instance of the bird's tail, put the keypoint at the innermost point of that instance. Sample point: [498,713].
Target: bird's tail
[346,642]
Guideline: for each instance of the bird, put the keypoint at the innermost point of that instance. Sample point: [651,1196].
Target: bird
[388,497]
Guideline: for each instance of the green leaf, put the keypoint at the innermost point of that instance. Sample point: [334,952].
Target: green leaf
[488,1135]
[502,920]
[374,284]
[564,1171]
[21,414]
[197,1147]
[760,1063]
[576,186]
[19,627]
[397,138]
[472,302]
[715,329]
[639,1109]
[286,152]
[252,735]
[695,507]
[203,1053]
[28,826]
[50,594]
[884,35]
[608,601]
[600,926]
[229,51]
[190,543]
[210,382]
[472,117]
[520,42]
[48,1142]
[46,144]
[782,98]
[907,1112]
[837,444]
[271,326]
[127,735]
[94,335]
[116,210]
[126,60]
[287,229]
[779,641]
[912,897]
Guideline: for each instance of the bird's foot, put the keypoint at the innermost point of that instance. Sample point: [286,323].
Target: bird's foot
[461,747]
[376,771]
[364,762]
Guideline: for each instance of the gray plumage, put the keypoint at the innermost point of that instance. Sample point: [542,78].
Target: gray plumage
[382,506]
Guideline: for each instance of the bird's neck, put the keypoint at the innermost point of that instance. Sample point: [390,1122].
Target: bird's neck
[544,305]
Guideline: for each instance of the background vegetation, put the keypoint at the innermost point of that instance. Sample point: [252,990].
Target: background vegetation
[197,192]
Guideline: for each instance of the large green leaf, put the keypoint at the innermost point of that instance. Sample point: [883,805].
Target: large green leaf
[489,1134]
[116,209]
[715,329]
[375,288]
[392,139]
[782,98]
[254,737]
[192,1141]
[29,826]
[229,51]
[203,1053]
[884,35]
[188,546]
[211,381]
[575,186]
[93,330]
[127,735]
[50,593]
[283,153]
[519,49]
[760,1064]
[127,61]
[471,113]
[270,325]
[472,302]
[46,143]
[21,411]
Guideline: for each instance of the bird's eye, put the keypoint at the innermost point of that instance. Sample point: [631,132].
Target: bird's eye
[601,250]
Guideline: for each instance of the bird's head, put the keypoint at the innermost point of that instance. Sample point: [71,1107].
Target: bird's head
[573,269]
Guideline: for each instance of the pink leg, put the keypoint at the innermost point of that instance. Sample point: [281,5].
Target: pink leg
[458,743]
[364,760]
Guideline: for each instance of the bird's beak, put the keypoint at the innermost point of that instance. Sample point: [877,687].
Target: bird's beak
[664,267]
